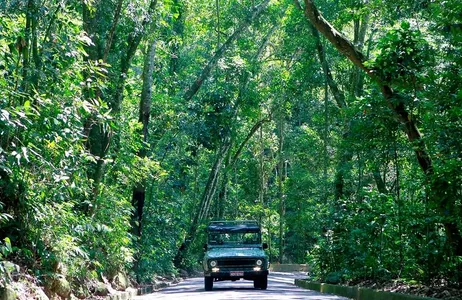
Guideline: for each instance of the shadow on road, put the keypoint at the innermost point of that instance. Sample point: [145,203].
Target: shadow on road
[278,289]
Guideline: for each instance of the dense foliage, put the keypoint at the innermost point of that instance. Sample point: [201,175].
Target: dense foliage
[125,126]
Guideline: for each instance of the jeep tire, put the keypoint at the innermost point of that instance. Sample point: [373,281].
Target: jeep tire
[208,283]
[264,282]
[256,283]
[261,283]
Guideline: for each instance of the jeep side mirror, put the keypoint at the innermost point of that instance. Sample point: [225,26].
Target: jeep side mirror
[205,247]
[265,246]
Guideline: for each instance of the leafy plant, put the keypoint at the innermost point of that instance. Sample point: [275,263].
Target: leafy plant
[403,57]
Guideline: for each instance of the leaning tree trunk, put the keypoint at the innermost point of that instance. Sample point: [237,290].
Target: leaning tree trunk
[242,89]
[444,202]
[204,204]
[210,189]
[195,86]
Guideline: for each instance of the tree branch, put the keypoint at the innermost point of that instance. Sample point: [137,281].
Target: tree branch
[247,138]
[348,49]
[195,86]
[110,35]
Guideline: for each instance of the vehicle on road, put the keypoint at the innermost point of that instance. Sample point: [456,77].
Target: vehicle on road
[234,250]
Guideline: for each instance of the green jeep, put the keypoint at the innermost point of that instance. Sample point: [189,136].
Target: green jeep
[234,250]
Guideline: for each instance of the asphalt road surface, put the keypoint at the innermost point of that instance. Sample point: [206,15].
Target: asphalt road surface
[280,287]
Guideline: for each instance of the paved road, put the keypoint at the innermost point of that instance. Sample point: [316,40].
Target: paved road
[280,287]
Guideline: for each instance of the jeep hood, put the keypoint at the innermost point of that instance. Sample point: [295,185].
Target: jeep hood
[235,252]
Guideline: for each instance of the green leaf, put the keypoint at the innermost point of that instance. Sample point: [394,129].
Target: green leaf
[8,244]
[405,25]
[24,153]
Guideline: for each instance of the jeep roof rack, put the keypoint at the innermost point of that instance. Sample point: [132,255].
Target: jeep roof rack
[234,226]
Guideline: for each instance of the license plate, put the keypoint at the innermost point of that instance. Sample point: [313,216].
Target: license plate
[237,273]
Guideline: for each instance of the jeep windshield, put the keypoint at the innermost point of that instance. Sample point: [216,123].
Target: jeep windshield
[234,239]
[232,234]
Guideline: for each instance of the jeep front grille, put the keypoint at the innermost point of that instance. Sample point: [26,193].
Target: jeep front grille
[233,263]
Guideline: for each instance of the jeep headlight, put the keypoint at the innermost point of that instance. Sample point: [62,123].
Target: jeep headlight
[213,263]
[259,262]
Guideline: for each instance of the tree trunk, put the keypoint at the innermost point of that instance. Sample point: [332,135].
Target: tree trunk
[35,52]
[338,95]
[25,45]
[281,188]
[178,28]
[326,139]
[146,93]
[99,138]
[357,77]
[336,92]
[261,161]
[395,103]
[111,33]
[139,192]
[381,187]
[252,131]
[345,155]
[223,194]
[133,42]
[445,203]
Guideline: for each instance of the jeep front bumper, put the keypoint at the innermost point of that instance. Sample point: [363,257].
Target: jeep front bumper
[232,275]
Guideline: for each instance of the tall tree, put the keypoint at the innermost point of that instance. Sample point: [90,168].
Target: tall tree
[397,105]
[226,141]
[99,134]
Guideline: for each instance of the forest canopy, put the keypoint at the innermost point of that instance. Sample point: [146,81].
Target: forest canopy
[126,126]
